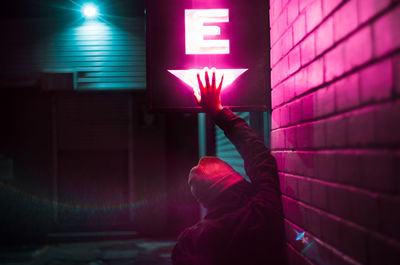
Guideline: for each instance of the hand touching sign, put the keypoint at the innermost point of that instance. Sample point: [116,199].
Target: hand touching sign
[209,95]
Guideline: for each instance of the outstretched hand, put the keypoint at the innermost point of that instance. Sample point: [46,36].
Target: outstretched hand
[209,95]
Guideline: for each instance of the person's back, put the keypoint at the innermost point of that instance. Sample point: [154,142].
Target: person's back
[244,223]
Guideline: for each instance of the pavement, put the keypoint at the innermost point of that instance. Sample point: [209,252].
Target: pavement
[121,252]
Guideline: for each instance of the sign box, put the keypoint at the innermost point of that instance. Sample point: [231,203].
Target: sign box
[184,36]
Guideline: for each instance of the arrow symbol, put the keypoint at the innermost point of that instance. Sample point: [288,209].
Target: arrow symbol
[189,76]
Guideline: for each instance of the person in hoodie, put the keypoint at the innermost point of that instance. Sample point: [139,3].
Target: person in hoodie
[244,221]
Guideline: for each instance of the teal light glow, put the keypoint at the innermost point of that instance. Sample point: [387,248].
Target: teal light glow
[90,11]
[104,55]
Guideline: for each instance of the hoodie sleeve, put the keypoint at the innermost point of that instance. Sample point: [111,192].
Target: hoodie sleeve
[259,164]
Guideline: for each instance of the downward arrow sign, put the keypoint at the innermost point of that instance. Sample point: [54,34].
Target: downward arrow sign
[189,76]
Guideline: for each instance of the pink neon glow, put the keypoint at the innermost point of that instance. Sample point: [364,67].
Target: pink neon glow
[189,76]
[195,31]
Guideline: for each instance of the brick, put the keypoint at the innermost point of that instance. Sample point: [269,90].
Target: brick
[347,92]
[295,258]
[288,185]
[300,82]
[389,216]
[293,10]
[276,97]
[286,42]
[304,136]
[319,253]
[275,10]
[345,20]
[304,190]
[284,3]
[329,5]
[386,36]
[299,28]
[334,63]
[361,127]
[274,35]
[306,160]
[292,163]
[313,220]
[339,201]
[324,36]
[325,166]
[365,209]
[277,139]
[376,82]
[354,55]
[293,211]
[308,49]
[336,132]
[279,27]
[308,107]
[354,242]
[313,15]
[290,137]
[288,89]
[274,77]
[319,134]
[304,3]
[319,195]
[325,101]
[315,74]
[349,168]
[285,115]
[275,54]
[279,159]
[382,250]
[388,125]
[275,119]
[295,112]
[330,230]
[377,172]
[279,72]
[294,60]
[396,73]
[339,259]
[367,9]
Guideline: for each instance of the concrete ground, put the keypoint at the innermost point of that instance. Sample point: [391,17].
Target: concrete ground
[122,252]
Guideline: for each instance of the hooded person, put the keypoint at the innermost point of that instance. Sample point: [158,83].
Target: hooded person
[210,178]
[244,222]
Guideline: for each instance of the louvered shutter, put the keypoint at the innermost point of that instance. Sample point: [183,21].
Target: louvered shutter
[227,151]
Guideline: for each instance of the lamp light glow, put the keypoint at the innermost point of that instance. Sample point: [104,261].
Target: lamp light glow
[90,11]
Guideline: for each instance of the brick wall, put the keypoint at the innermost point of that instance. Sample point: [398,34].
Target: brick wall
[336,128]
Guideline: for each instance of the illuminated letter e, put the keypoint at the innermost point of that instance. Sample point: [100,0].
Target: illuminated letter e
[195,31]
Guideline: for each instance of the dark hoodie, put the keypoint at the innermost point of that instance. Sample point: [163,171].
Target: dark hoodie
[244,224]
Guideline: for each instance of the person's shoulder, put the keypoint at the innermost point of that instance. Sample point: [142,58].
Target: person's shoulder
[191,232]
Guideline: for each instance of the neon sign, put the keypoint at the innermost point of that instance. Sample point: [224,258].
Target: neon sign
[184,36]
[195,31]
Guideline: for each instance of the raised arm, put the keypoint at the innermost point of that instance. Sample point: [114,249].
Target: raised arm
[260,165]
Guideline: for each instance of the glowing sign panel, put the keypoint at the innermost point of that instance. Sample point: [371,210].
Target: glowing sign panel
[189,77]
[185,36]
[195,31]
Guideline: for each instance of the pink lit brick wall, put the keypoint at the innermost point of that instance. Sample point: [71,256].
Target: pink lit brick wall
[336,128]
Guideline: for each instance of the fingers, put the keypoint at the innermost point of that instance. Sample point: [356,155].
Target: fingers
[220,84]
[201,87]
[213,82]
[207,78]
